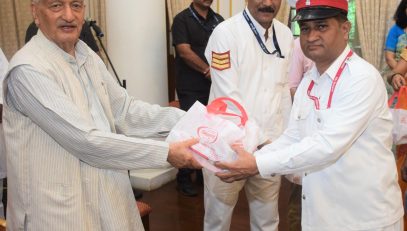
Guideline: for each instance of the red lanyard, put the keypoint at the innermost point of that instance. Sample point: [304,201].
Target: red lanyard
[335,81]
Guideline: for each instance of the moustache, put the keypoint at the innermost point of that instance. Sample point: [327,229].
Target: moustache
[67,25]
[267,9]
[308,45]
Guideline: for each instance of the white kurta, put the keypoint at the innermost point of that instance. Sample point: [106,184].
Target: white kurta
[349,172]
[259,82]
[65,171]
[3,170]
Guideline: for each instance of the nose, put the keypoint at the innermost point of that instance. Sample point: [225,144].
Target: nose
[267,2]
[67,14]
[313,35]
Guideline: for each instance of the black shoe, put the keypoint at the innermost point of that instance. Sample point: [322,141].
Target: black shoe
[199,177]
[187,189]
[137,194]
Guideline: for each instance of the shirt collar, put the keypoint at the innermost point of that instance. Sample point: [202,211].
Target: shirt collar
[210,15]
[81,50]
[332,70]
[259,27]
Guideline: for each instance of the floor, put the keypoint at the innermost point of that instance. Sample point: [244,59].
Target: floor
[175,212]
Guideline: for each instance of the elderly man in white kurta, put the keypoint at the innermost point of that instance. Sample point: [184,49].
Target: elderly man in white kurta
[3,70]
[72,132]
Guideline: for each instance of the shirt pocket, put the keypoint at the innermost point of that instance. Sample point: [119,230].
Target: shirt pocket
[279,69]
[302,116]
[321,118]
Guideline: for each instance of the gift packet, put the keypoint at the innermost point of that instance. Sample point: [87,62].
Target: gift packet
[217,128]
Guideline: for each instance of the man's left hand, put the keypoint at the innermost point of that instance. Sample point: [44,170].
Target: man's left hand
[243,167]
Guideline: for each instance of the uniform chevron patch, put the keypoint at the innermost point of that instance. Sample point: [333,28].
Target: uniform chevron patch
[220,61]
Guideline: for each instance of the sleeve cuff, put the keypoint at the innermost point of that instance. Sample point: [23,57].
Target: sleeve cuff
[162,158]
[265,165]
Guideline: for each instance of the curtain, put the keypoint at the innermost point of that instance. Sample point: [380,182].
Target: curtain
[174,7]
[15,16]
[284,13]
[372,17]
[96,10]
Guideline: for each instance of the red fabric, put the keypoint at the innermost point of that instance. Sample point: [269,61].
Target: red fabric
[143,208]
[340,4]
[401,156]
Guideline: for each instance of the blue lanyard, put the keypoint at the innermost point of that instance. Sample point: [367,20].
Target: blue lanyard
[262,45]
[201,23]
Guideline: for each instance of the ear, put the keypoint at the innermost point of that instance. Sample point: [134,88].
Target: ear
[34,13]
[346,27]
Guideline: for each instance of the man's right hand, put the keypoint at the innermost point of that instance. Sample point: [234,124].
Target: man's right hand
[180,154]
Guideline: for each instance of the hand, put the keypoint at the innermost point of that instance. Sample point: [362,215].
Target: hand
[404,170]
[243,167]
[207,73]
[180,154]
[397,81]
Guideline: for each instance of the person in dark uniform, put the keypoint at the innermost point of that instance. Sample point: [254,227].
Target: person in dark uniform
[191,30]
[86,35]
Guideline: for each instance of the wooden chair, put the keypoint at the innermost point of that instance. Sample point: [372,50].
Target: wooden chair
[2,224]
[145,211]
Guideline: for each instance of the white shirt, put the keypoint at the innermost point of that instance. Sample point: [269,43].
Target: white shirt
[96,110]
[3,71]
[255,79]
[350,176]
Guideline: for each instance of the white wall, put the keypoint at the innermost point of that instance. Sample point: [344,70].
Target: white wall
[136,36]
[228,8]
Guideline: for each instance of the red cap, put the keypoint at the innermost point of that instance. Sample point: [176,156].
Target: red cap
[340,4]
[319,9]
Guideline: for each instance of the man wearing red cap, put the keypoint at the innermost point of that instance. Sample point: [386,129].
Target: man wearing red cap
[249,55]
[338,136]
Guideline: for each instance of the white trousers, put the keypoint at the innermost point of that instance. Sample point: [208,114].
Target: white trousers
[220,198]
[3,159]
[1,199]
[2,168]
